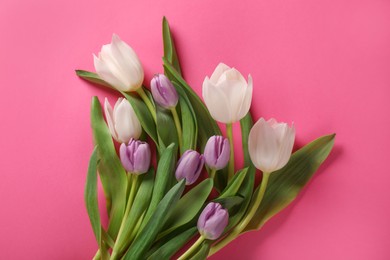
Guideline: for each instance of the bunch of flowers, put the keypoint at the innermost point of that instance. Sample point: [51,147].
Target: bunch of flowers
[192,188]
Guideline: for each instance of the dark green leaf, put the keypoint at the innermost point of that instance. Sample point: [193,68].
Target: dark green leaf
[164,175]
[229,202]
[246,126]
[188,206]
[149,233]
[92,77]
[203,252]
[166,128]
[112,174]
[188,121]
[167,250]
[138,207]
[169,46]
[284,185]
[234,184]
[91,197]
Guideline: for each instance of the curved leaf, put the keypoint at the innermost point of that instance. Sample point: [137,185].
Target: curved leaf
[112,174]
[169,46]
[149,233]
[284,185]
[188,206]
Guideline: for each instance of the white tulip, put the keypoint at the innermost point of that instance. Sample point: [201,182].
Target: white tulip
[118,65]
[227,94]
[122,122]
[270,144]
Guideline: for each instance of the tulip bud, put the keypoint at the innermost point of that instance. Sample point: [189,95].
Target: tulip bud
[118,65]
[270,144]
[135,156]
[217,152]
[122,122]
[164,93]
[227,94]
[212,221]
[189,167]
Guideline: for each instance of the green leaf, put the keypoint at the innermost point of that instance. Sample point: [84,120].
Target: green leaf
[235,184]
[188,121]
[143,114]
[284,185]
[164,178]
[169,46]
[148,234]
[166,128]
[92,77]
[203,251]
[140,204]
[207,126]
[112,174]
[188,206]
[168,249]
[229,202]
[91,197]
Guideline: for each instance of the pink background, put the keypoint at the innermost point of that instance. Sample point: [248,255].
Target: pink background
[322,64]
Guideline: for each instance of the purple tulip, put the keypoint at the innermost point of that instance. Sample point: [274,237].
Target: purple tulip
[135,156]
[212,221]
[164,93]
[217,152]
[190,166]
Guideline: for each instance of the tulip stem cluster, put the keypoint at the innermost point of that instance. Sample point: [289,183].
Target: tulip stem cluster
[192,249]
[149,104]
[245,221]
[133,182]
[229,133]
[178,126]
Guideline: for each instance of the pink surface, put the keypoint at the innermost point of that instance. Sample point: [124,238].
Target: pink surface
[322,64]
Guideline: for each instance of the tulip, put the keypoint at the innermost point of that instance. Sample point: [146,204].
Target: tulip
[122,122]
[189,167]
[135,156]
[118,65]
[217,152]
[212,221]
[227,94]
[270,144]
[164,93]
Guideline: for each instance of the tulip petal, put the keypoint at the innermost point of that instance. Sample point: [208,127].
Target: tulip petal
[110,119]
[219,70]
[126,122]
[107,71]
[217,102]
[128,62]
[246,99]
[286,146]
[263,146]
[124,156]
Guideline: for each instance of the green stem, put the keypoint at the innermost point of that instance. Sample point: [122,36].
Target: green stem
[134,179]
[191,250]
[142,94]
[178,126]
[212,173]
[244,222]
[229,133]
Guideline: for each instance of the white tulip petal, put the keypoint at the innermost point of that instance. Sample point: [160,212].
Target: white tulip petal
[108,73]
[233,90]
[280,130]
[219,70]
[216,102]
[234,74]
[110,119]
[128,62]
[263,146]
[286,147]
[246,100]
[124,123]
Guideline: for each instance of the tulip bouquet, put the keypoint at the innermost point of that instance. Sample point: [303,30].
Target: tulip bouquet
[169,177]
